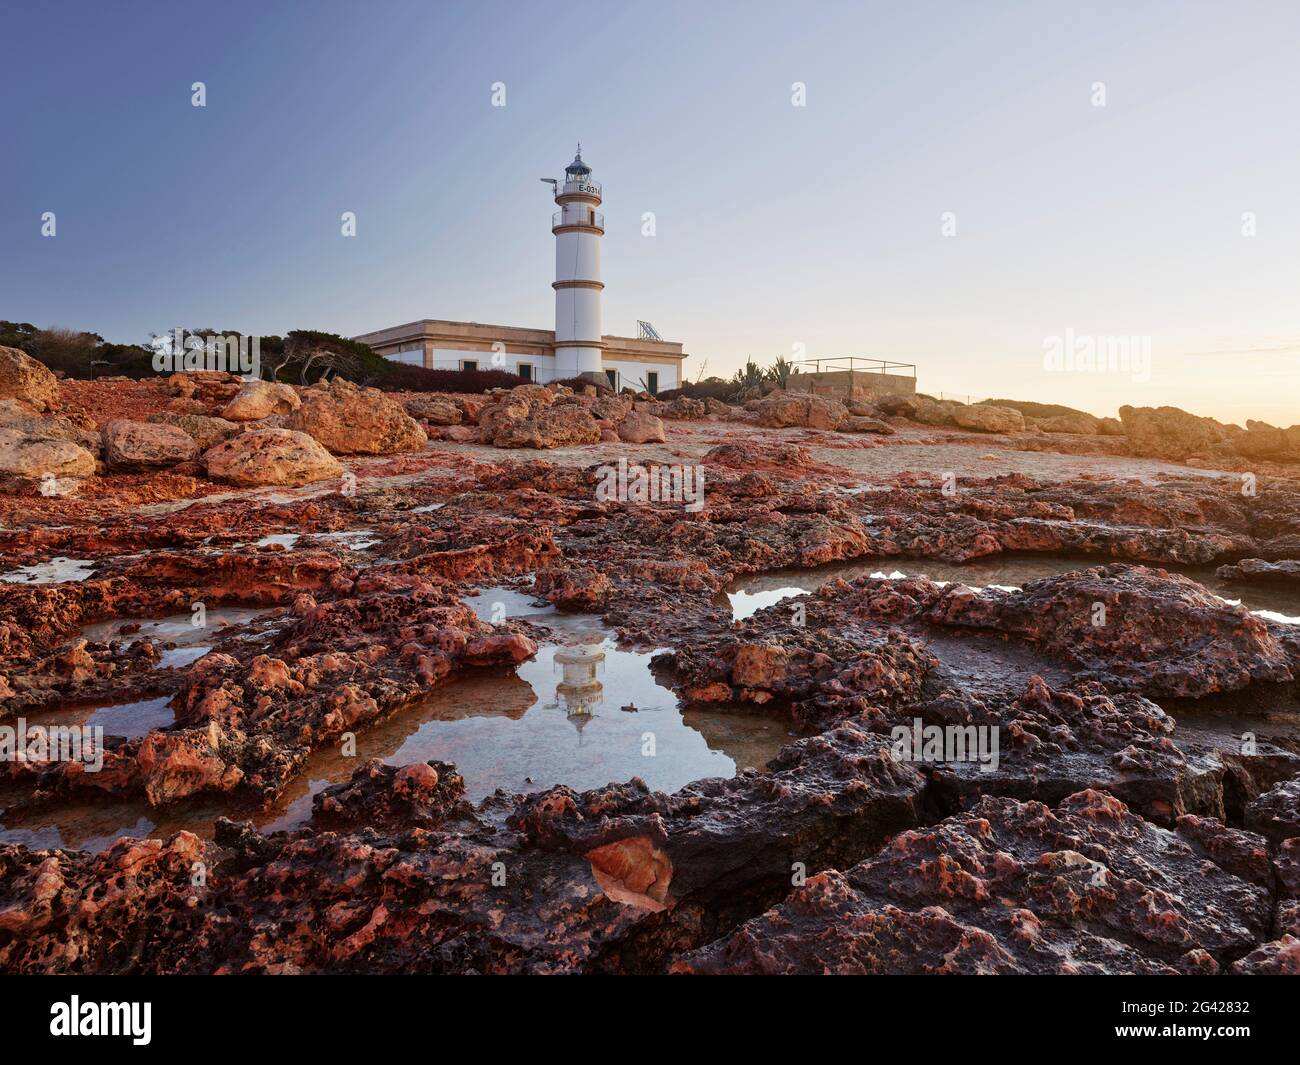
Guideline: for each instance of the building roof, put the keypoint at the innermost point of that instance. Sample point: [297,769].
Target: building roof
[577,166]
[441,329]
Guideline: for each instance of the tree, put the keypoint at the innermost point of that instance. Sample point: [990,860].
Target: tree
[330,353]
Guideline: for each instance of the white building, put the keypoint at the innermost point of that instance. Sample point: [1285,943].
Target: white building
[576,346]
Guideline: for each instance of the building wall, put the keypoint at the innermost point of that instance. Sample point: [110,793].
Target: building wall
[449,343]
[451,359]
[851,384]
[631,373]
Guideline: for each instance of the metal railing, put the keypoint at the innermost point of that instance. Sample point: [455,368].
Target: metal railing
[858,363]
[578,218]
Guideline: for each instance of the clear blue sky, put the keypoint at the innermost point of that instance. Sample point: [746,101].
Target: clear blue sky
[776,225]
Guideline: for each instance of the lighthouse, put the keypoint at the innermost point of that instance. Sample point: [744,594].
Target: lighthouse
[578,227]
[579,346]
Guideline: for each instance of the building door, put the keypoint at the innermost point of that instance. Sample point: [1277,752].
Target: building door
[525,370]
[612,375]
[652,382]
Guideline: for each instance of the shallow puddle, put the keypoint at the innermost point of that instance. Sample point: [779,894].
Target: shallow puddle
[55,571]
[129,719]
[175,628]
[287,540]
[500,603]
[559,719]
[353,539]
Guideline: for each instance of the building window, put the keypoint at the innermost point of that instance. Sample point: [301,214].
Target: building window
[525,370]
[612,375]
[652,382]
[469,364]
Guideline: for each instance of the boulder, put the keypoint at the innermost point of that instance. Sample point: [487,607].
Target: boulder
[459,434]
[436,410]
[1168,432]
[799,409]
[860,424]
[14,415]
[684,408]
[260,399]
[537,417]
[563,426]
[350,420]
[1110,427]
[27,457]
[1077,422]
[638,428]
[206,432]
[987,419]
[895,403]
[612,408]
[208,387]
[1262,441]
[504,411]
[271,456]
[132,445]
[29,382]
[1276,813]
[935,412]
[537,393]
[470,407]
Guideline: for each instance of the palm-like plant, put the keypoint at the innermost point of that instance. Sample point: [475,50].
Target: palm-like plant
[749,376]
[780,371]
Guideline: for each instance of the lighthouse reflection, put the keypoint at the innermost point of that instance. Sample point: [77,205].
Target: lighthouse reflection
[508,729]
[579,691]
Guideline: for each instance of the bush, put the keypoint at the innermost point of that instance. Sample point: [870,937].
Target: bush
[74,353]
[713,388]
[403,377]
[579,383]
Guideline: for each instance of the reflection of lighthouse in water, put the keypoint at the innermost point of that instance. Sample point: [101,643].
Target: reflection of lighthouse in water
[579,690]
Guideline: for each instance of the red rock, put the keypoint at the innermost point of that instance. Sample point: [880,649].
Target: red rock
[144,445]
[29,382]
[270,456]
[988,419]
[261,399]
[800,409]
[1167,432]
[1009,888]
[638,428]
[349,420]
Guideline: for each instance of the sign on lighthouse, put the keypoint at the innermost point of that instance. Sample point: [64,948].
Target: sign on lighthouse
[578,227]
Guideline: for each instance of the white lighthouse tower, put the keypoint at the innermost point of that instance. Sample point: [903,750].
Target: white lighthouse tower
[578,227]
